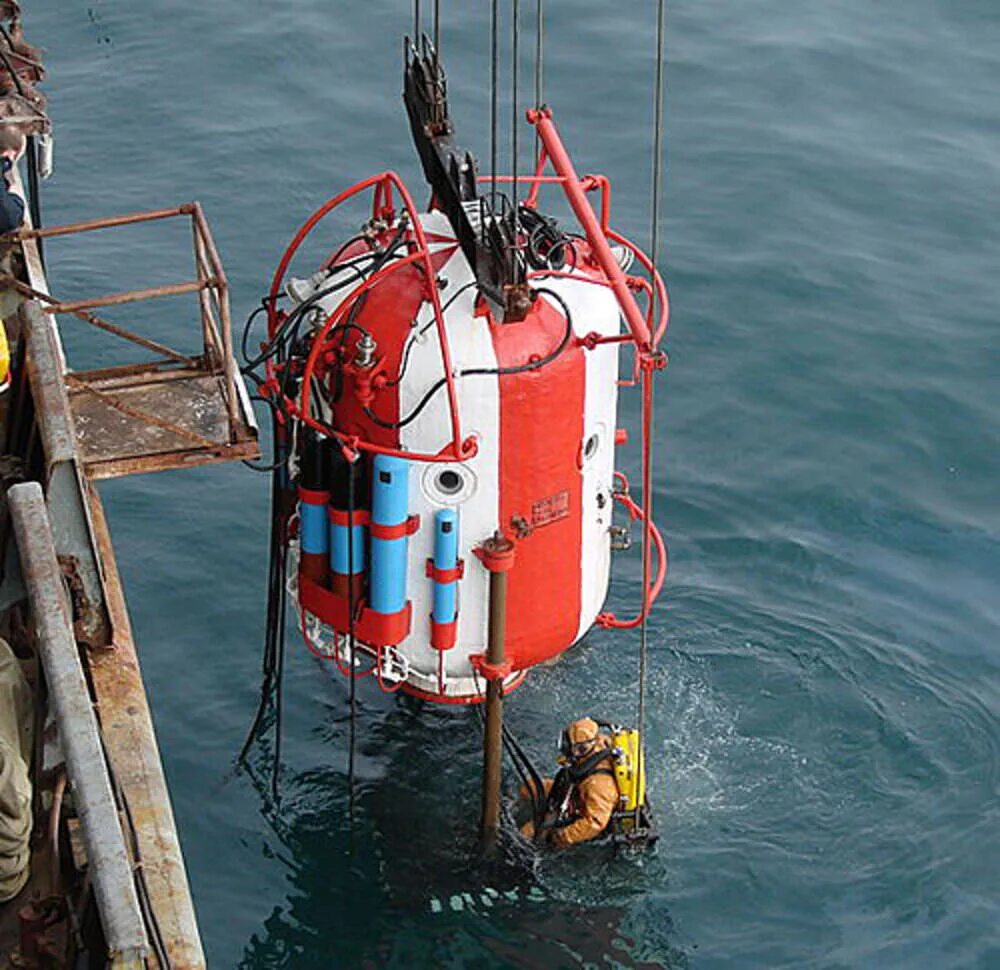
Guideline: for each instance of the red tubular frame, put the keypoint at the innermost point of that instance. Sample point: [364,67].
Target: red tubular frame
[382,206]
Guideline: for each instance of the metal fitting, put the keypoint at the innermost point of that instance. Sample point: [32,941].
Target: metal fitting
[621,538]
[365,352]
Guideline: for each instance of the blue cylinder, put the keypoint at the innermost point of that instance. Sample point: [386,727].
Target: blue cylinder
[445,557]
[341,550]
[312,524]
[390,507]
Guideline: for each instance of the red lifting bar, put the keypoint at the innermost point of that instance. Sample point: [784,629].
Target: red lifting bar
[542,120]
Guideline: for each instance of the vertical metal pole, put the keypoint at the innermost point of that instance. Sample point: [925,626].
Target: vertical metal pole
[498,553]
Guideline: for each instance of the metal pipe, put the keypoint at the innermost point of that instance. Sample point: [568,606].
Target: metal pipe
[497,554]
[94,320]
[73,227]
[561,162]
[108,860]
[130,296]
[225,323]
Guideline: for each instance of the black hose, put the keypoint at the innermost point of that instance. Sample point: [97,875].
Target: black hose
[482,371]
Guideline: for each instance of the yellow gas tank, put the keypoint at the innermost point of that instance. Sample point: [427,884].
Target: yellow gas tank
[4,358]
[630,768]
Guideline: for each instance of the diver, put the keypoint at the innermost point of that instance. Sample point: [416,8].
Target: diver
[581,800]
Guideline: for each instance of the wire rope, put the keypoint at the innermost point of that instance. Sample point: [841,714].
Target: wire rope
[494,95]
[647,405]
[514,126]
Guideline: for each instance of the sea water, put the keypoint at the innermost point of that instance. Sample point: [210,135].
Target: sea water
[823,689]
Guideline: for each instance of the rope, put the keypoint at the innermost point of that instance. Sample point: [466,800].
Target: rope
[647,401]
[539,50]
[437,31]
[539,45]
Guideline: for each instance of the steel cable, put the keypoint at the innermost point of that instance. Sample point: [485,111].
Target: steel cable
[647,458]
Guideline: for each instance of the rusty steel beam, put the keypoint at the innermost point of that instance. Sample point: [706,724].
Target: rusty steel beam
[108,862]
[126,375]
[130,296]
[123,711]
[94,320]
[63,471]
[225,323]
[101,469]
[70,228]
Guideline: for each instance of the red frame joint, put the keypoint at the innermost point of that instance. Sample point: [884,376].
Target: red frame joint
[651,360]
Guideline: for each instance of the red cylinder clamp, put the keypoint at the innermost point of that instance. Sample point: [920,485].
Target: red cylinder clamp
[444,635]
[444,575]
[407,528]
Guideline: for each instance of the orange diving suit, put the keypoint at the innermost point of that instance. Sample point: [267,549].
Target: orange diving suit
[581,799]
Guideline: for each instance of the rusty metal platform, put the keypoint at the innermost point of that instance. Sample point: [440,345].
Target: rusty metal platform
[177,410]
[149,421]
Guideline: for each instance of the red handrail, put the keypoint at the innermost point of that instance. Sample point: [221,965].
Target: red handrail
[382,204]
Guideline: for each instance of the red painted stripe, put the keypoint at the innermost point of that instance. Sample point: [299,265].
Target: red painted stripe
[387,314]
[541,426]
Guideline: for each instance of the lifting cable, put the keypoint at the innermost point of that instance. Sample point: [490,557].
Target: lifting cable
[539,76]
[494,97]
[647,404]
[515,125]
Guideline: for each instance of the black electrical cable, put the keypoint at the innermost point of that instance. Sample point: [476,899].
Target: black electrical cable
[138,872]
[273,625]
[351,642]
[427,326]
[483,371]
[278,462]
[283,348]
[296,314]
[378,258]
[523,765]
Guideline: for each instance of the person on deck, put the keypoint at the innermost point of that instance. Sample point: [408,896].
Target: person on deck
[12,142]
[584,794]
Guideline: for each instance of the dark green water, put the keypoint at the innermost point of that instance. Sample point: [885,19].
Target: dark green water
[824,687]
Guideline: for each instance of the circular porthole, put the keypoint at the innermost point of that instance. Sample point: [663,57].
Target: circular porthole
[448,484]
[590,446]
